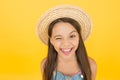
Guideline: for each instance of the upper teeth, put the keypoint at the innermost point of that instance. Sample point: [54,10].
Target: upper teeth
[66,49]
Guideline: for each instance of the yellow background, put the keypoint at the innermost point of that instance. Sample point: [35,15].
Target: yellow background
[21,51]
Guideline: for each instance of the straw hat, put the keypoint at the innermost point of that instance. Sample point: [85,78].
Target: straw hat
[73,12]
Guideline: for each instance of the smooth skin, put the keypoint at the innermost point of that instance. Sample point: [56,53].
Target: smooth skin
[65,40]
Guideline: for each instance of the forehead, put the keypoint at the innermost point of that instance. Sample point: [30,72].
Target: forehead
[63,28]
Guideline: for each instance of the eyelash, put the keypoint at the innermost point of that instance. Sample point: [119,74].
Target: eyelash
[57,38]
[72,36]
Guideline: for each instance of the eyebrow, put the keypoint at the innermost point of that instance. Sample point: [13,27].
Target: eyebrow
[60,35]
[72,32]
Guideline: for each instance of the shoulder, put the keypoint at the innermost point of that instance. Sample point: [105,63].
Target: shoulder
[93,66]
[42,64]
[92,62]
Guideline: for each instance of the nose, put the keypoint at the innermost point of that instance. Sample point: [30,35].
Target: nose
[66,43]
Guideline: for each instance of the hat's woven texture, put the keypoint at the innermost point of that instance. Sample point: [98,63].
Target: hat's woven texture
[73,12]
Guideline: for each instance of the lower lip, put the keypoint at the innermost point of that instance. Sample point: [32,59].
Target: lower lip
[66,53]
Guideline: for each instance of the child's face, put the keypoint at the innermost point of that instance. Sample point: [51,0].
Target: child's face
[65,39]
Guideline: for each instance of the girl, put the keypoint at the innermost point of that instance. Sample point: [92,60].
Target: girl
[67,57]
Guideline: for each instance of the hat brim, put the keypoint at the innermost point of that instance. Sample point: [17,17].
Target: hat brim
[73,12]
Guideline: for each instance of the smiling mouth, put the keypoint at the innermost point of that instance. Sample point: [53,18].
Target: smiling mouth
[66,51]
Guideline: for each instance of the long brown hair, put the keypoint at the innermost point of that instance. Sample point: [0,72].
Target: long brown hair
[81,54]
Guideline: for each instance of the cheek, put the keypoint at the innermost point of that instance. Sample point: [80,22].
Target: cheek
[56,45]
[76,43]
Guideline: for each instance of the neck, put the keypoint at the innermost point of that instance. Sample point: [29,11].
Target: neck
[66,63]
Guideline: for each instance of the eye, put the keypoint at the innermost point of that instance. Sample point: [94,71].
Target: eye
[72,36]
[57,38]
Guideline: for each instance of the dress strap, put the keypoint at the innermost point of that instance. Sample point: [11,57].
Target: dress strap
[54,73]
